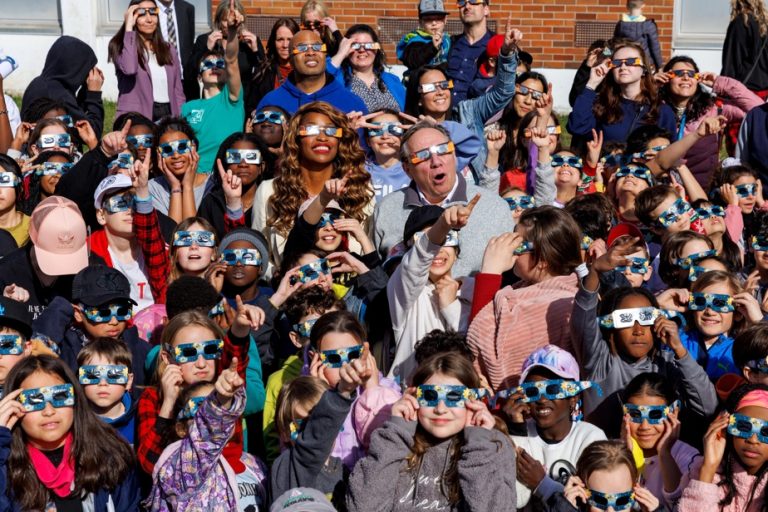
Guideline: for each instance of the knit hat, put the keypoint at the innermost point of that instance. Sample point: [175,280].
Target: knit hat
[58,232]
[251,236]
[420,218]
[494,45]
[302,499]
[552,358]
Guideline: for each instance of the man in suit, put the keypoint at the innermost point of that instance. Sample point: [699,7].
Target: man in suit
[177,21]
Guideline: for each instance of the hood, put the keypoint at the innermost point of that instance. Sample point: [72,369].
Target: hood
[331,88]
[69,61]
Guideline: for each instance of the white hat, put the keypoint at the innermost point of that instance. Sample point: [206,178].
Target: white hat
[109,184]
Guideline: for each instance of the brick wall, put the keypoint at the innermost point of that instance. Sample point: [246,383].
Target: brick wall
[549,26]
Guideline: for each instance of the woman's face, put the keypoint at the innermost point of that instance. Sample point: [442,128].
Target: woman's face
[362,59]
[616,480]
[7,197]
[47,429]
[712,323]
[176,163]
[147,24]
[318,149]
[201,369]
[636,341]
[747,204]
[387,145]
[335,341]
[684,86]
[751,453]
[437,102]
[524,103]
[441,421]
[627,75]
[194,260]
[644,433]
[48,183]
[245,171]
[283,38]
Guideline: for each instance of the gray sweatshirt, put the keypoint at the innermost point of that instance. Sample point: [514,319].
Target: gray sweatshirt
[381,483]
[613,372]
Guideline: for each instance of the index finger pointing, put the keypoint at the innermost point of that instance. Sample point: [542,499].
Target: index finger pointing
[471,204]
[239,303]
[233,364]
[126,128]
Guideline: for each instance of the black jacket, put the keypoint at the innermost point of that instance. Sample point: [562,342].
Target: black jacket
[741,49]
[213,207]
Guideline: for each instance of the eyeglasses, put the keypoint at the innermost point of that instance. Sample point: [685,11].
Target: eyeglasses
[140,141]
[328,218]
[451,238]
[740,425]
[212,64]
[190,352]
[759,244]
[437,150]
[696,272]
[304,48]
[268,116]
[120,203]
[245,257]
[586,242]
[304,329]
[633,62]
[104,314]
[656,148]
[310,130]
[430,395]
[311,271]
[296,427]
[462,3]
[365,46]
[11,345]
[603,501]
[190,238]
[672,214]
[527,91]
[61,140]
[571,161]
[8,180]
[67,120]
[191,407]
[123,161]
[680,73]
[337,358]
[249,156]
[555,389]
[142,11]
[94,373]
[637,265]
[760,365]
[623,318]
[178,147]
[522,202]
[746,190]
[311,25]
[714,301]
[642,173]
[386,128]
[685,263]
[710,211]
[61,395]
[443,85]
[523,248]
[653,414]
[616,160]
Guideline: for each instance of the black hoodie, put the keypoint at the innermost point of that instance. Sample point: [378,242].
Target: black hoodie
[63,78]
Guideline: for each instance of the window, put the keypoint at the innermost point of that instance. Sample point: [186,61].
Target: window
[112,13]
[700,25]
[31,17]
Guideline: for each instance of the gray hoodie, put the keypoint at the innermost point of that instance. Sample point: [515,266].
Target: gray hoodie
[381,482]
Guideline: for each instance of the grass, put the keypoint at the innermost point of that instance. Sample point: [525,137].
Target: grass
[109,112]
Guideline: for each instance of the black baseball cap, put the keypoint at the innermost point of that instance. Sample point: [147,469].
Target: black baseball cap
[420,218]
[98,284]
[16,315]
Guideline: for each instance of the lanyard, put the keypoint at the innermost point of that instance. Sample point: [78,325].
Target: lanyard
[681,130]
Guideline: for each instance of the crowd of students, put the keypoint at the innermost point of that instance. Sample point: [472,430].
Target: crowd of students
[303,283]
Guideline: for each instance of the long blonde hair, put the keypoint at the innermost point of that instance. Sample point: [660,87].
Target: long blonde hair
[756,8]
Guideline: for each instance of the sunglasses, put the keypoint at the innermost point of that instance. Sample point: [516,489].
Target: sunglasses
[314,129]
[673,213]
[616,160]
[527,91]
[633,62]
[190,238]
[745,427]
[451,239]
[746,190]
[311,271]
[462,3]
[104,314]
[637,265]
[311,25]
[249,156]
[386,128]
[696,272]
[586,242]
[296,427]
[304,48]
[337,358]
[61,395]
[430,395]
[11,345]
[523,248]
[8,180]
[62,140]
[760,365]
[437,150]
[268,116]
[190,352]
[191,407]
[680,73]
[637,172]
[365,46]
[571,161]
[623,318]
[123,161]
[710,211]
[140,141]
[328,218]
[688,261]
[67,120]
[443,85]
[759,244]
[212,64]
[176,147]
[245,257]
[94,373]
[142,11]
[653,414]
[522,202]
[120,203]
[603,501]
[304,329]
[714,301]
[218,309]
[556,389]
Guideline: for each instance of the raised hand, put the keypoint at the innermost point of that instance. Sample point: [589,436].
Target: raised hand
[170,382]
[213,38]
[114,143]
[86,133]
[247,318]
[616,255]
[11,410]
[594,147]
[712,126]
[512,37]
[234,19]
[141,175]
[714,447]
[666,331]
[495,140]
[130,18]
[407,407]
[499,255]
[345,262]
[15,292]
[232,186]
[215,273]
[575,492]
[228,383]
[95,80]
[456,217]
[333,189]
[288,285]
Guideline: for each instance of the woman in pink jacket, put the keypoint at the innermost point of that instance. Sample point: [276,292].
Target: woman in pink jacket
[148,69]
[682,88]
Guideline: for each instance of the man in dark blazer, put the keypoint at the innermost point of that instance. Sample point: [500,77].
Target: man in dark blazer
[184,17]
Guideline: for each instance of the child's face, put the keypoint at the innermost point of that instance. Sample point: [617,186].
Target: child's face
[747,204]
[245,171]
[239,275]
[616,480]
[565,175]
[752,453]
[644,433]
[104,395]
[139,129]
[712,224]
[630,184]
[761,260]
[48,183]
[327,238]
[335,341]
[636,341]
[754,376]
[201,369]
[301,341]
[549,413]
[110,329]
[441,421]
[385,145]
[325,281]
[691,247]
[8,361]
[517,212]
[46,429]
[433,23]
[194,259]
[7,199]
[54,129]
[118,223]
[683,222]
[442,263]
[176,163]
[637,280]
[653,147]
[525,267]
[712,323]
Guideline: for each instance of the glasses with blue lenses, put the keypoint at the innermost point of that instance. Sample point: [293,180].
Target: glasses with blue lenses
[104,314]
[296,427]
[61,140]
[328,218]
[430,395]
[523,248]
[218,309]
[11,345]
[746,190]
[8,180]
[140,141]
[696,272]
[337,358]
[616,160]
[268,116]
[191,407]
[759,244]
[212,64]
[522,202]
[120,203]
[94,373]
[249,156]
[176,147]
[603,501]
[673,213]
[710,211]
[190,238]
[386,128]
[745,427]
[760,365]
[61,395]
[714,301]
[653,414]
[311,271]
[304,329]
[245,257]
[123,161]
[556,389]
[67,120]
[691,259]
[189,352]
[641,173]
[571,161]
[637,265]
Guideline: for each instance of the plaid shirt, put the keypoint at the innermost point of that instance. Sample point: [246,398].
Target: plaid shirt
[154,431]
[147,229]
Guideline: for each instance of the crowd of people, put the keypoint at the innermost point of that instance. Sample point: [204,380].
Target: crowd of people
[289,279]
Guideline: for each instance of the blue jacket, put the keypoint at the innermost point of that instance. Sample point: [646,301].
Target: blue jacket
[125,424]
[124,498]
[395,87]
[290,98]
[581,121]
[718,360]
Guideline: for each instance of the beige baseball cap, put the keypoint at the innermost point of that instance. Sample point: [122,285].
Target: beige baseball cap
[58,232]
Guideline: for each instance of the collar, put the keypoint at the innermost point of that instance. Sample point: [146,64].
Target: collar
[414,197]
[629,17]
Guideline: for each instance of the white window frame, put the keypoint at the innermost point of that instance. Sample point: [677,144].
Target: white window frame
[688,39]
[31,25]
[109,27]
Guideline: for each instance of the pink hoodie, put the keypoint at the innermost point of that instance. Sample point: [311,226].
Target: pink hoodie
[704,497]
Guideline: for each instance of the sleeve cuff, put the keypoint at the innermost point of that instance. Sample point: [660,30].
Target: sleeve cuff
[145,207]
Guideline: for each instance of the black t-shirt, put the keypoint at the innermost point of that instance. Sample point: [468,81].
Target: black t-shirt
[71,503]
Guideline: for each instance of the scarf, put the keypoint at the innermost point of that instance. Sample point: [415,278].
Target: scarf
[57,479]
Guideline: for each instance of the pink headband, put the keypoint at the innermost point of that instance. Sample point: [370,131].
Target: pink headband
[757,398]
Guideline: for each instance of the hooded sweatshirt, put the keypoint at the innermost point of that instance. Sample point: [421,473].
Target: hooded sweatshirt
[289,97]
[125,424]
[63,78]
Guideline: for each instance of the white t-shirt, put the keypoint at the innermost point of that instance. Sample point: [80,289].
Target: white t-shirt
[137,275]
[249,492]
[159,79]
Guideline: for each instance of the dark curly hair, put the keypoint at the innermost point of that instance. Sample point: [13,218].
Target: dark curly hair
[699,103]
[438,341]
[637,142]
[311,300]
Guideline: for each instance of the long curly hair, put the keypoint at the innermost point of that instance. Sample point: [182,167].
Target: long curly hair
[699,103]
[378,61]
[747,8]
[607,109]
[290,191]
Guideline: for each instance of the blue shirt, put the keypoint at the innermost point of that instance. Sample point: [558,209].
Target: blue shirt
[718,360]
[462,64]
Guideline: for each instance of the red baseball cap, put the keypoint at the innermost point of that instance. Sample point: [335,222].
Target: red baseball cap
[623,229]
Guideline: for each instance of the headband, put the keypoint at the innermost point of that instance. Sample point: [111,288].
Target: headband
[757,397]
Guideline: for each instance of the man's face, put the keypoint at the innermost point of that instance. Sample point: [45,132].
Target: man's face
[471,14]
[310,62]
[436,175]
